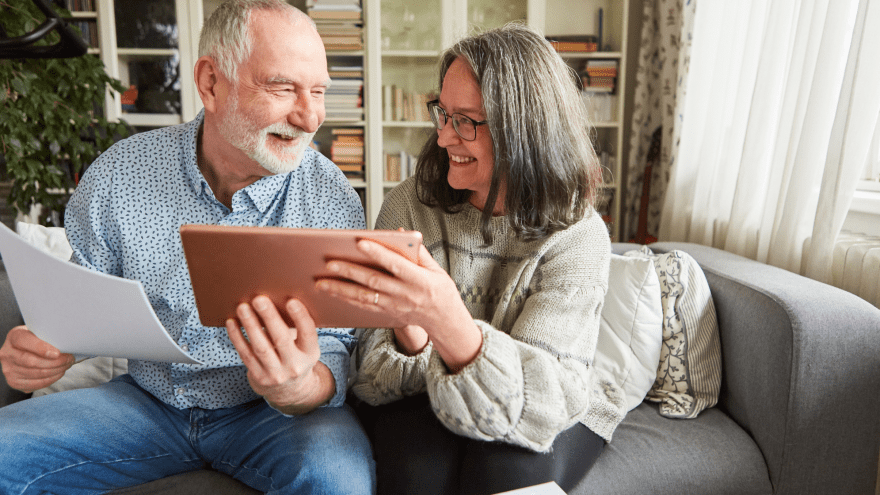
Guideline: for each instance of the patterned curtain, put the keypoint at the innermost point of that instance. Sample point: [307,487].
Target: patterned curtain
[664,56]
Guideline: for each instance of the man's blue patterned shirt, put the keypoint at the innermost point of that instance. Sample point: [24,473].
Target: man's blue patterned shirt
[124,220]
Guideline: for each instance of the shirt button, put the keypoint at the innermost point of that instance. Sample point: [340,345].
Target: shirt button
[185,348]
[180,391]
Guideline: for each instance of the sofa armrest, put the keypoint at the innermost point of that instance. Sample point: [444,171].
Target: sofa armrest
[801,363]
[10,317]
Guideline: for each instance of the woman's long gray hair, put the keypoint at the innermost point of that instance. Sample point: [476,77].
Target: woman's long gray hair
[226,37]
[540,131]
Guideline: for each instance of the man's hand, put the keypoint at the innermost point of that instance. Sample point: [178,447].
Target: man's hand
[30,363]
[282,361]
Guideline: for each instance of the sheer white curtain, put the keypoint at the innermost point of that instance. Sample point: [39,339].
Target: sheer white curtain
[783,98]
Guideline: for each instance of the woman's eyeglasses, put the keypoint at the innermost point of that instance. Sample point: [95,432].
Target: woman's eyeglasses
[464,126]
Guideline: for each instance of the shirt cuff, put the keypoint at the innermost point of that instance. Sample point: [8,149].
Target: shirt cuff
[335,356]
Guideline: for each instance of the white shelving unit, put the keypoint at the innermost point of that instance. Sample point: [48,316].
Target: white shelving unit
[117,59]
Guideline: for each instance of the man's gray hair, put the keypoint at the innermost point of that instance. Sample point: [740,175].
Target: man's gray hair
[226,37]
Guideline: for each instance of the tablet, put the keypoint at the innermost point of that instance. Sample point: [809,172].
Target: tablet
[230,265]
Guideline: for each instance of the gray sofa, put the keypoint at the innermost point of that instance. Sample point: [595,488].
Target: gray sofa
[799,411]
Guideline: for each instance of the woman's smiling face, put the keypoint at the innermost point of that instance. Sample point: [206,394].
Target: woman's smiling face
[470,162]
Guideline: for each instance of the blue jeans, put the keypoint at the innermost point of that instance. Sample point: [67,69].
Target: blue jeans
[117,435]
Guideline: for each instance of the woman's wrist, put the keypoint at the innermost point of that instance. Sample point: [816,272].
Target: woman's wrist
[411,339]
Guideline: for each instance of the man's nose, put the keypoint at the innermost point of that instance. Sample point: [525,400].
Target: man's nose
[307,113]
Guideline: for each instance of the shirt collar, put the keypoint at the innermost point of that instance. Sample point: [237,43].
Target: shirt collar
[263,192]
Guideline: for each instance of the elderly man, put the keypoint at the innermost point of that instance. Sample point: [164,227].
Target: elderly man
[267,409]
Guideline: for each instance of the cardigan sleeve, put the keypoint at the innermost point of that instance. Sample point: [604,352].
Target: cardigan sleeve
[386,374]
[521,394]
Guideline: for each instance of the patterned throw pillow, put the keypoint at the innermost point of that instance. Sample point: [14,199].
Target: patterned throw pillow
[689,374]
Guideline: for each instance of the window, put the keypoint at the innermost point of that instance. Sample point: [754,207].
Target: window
[871,175]
[864,212]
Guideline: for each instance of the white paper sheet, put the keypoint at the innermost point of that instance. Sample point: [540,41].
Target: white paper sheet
[84,312]
[549,488]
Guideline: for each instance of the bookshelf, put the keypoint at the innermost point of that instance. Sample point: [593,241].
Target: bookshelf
[400,45]
[148,57]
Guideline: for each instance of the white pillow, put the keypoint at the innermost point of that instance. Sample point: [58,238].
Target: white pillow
[631,330]
[52,240]
[89,372]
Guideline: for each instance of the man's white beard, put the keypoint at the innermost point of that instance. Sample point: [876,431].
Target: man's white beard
[240,132]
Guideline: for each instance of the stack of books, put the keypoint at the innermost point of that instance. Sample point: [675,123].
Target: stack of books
[340,23]
[344,100]
[347,151]
[399,105]
[600,76]
[398,166]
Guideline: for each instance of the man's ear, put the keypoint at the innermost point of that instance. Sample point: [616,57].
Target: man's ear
[210,83]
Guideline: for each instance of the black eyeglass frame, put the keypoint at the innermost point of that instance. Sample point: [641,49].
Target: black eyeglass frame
[436,120]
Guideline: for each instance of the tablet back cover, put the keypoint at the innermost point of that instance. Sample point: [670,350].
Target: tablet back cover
[230,265]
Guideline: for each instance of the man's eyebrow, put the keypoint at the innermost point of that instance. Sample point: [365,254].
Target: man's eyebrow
[287,80]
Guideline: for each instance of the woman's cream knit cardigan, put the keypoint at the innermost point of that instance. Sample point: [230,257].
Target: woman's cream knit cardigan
[538,305]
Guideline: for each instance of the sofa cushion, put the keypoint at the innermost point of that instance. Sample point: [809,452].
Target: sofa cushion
[654,454]
[630,330]
[689,373]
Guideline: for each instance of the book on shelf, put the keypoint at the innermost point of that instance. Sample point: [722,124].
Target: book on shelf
[341,15]
[346,115]
[347,131]
[574,43]
[346,72]
[80,5]
[398,166]
[342,40]
[341,26]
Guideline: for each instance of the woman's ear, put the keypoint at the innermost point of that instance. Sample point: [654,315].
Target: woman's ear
[210,83]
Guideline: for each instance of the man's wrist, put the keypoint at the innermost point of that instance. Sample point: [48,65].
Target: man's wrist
[320,388]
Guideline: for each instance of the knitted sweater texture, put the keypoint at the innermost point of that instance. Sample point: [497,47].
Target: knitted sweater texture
[538,305]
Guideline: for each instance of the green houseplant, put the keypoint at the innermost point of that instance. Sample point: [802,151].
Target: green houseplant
[51,118]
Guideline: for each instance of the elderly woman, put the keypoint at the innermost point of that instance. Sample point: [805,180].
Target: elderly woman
[498,323]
